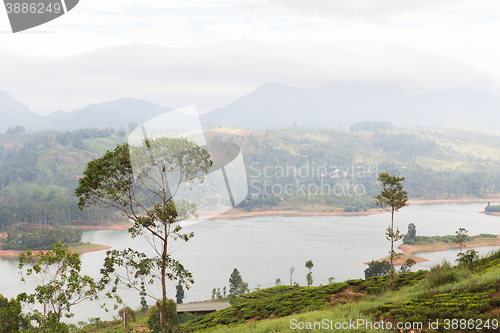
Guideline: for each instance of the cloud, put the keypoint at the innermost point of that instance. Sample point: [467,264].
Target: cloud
[368,10]
[213,76]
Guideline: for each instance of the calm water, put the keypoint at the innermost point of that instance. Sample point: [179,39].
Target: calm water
[264,248]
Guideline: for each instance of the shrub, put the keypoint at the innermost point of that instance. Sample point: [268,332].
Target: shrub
[171,317]
[443,273]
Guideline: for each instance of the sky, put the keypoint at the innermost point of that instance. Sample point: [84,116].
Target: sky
[182,52]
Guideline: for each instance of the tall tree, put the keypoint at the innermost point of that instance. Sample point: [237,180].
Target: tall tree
[234,282]
[309,278]
[461,237]
[392,198]
[136,180]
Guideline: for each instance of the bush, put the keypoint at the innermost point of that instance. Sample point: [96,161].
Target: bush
[377,268]
[127,313]
[443,273]
[171,317]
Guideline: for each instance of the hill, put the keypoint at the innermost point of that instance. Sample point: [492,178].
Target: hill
[444,298]
[313,170]
[338,105]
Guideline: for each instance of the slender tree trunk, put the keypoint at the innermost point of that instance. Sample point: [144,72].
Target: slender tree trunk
[392,247]
[163,309]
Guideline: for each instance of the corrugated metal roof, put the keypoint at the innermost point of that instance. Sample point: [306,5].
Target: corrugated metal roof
[202,306]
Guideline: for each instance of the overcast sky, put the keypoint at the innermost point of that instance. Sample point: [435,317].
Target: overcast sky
[211,52]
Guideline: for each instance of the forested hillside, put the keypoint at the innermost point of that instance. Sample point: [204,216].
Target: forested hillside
[290,168]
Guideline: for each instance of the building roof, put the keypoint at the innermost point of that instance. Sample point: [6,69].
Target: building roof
[202,306]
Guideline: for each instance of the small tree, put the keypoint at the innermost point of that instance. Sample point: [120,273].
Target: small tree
[469,259]
[406,267]
[278,282]
[331,279]
[179,296]
[391,198]
[144,303]
[242,288]
[411,234]
[234,282]
[171,318]
[461,237]
[309,265]
[377,268]
[292,269]
[60,285]
[127,315]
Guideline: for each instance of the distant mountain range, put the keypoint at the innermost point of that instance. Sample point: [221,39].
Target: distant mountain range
[275,105]
[341,104]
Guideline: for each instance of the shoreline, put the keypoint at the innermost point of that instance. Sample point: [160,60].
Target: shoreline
[457,200]
[489,213]
[441,246]
[410,250]
[238,214]
[84,248]
[401,259]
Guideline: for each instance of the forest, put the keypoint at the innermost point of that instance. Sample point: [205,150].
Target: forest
[41,239]
[338,168]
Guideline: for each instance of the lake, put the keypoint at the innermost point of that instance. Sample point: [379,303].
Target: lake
[264,248]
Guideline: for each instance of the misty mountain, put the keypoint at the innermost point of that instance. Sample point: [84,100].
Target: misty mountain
[275,105]
[13,112]
[341,104]
[118,114]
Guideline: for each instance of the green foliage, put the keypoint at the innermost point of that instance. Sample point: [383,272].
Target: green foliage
[170,316]
[495,208]
[471,303]
[377,268]
[144,303]
[391,198]
[235,280]
[61,286]
[179,295]
[468,259]
[461,237]
[411,234]
[309,265]
[273,302]
[126,313]
[41,239]
[444,273]
[127,179]
[406,267]
[11,318]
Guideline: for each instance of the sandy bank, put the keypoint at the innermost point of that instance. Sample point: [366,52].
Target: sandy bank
[489,213]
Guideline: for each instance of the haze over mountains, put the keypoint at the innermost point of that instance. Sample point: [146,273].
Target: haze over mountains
[275,105]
